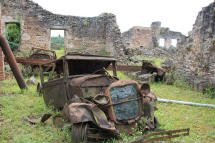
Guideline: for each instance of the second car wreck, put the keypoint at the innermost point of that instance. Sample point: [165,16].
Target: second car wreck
[99,105]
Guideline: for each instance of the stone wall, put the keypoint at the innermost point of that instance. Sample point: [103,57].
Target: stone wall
[87,34]
[99,33]
[149,37]
[138,37]
[196,55]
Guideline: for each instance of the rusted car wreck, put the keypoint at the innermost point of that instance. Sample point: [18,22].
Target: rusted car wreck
[98,104]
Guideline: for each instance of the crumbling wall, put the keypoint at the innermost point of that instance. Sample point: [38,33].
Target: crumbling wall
[95,35]
[149,37]
[196,55]
[91,34]
[138,37]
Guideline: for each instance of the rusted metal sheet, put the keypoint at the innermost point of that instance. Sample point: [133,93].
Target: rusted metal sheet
[38,53]
[78,56]
[83,112]
[162,136]
[54,91]
[27,61]
[84,65]
[96,103]
[37,57]
[147,67]
[12,62]
[89,123]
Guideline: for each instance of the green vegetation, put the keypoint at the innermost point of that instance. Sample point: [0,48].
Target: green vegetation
[210,91]
[74,25]
[13,35]
[156,61]
[120,75]
[174,116]
[17,105]
[77,50]
[103,53]
[188,48]
[99,20]
[57,42]
[60,52]
[86,23]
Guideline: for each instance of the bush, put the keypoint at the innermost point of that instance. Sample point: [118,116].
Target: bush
[13,35]
[57,42]
[210,91]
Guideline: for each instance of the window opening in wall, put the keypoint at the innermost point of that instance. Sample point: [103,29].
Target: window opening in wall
[161,42]
[58,42]
[13,35]
[174,43]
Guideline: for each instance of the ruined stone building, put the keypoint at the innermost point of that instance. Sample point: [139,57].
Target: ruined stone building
[150,37]
[90,34]
[196,55]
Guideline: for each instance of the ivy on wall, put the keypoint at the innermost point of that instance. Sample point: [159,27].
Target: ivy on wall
[13,35]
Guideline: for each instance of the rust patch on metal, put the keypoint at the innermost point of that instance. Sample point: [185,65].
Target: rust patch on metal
[162,136]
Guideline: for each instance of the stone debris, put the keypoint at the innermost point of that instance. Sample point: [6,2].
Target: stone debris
[32,81]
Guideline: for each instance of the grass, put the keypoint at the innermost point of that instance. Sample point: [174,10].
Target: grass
[120,75]
[174,116]
[59,52]
[17,105]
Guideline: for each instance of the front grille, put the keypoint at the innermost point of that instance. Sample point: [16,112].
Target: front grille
[125,101]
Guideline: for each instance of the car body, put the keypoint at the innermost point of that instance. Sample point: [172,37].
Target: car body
[90,97]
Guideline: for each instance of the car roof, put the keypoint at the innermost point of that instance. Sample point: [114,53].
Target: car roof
[84,63]
[79,56]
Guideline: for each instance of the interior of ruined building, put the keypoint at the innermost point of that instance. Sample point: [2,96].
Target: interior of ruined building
[105,78]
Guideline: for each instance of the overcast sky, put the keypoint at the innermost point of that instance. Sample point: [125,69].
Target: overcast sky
[178,15]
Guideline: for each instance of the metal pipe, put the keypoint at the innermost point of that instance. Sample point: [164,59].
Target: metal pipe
[12,62]
[185,103]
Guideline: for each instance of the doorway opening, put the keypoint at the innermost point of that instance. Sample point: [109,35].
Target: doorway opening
[161,42]
[174,43]
[58,44]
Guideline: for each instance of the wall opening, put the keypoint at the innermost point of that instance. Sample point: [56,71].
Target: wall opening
[161,42]
[58,44]
[174,43]
[13,35]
